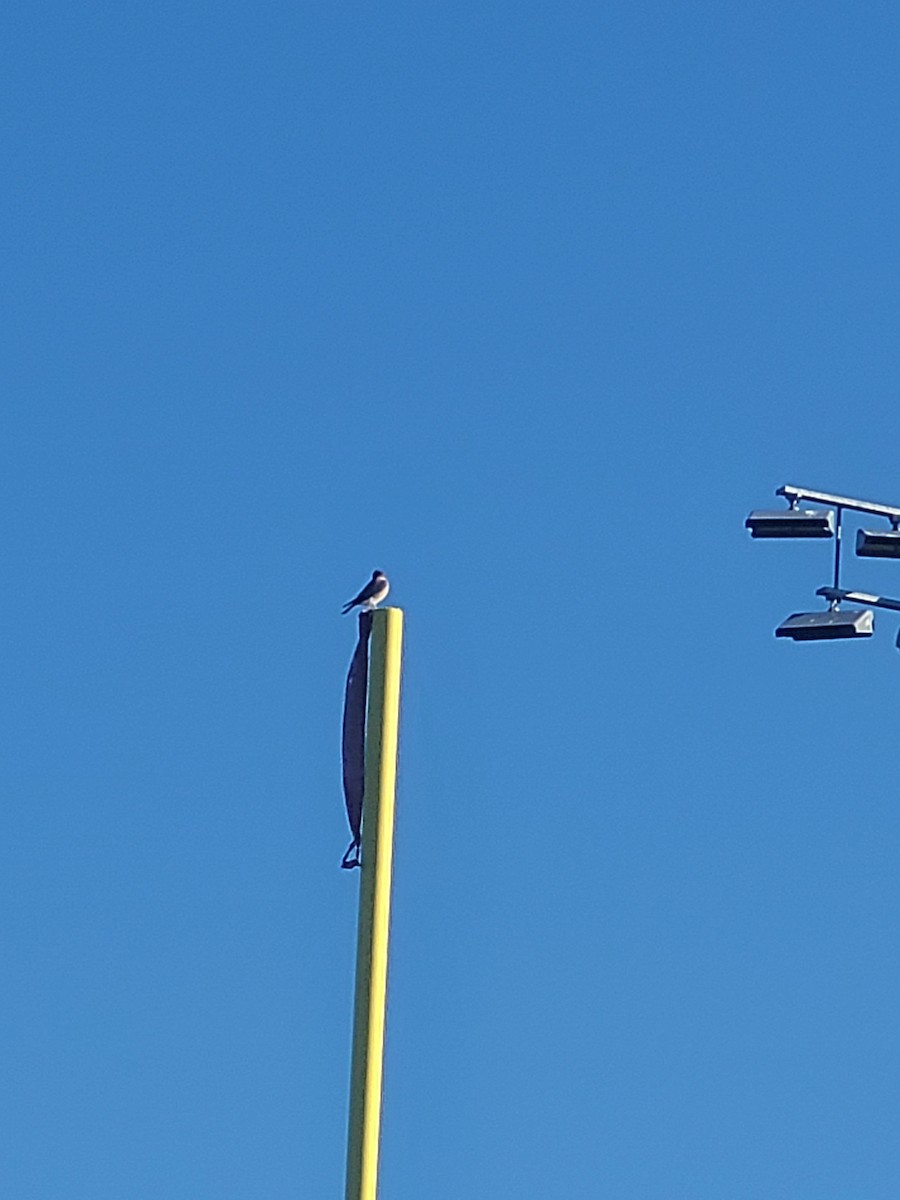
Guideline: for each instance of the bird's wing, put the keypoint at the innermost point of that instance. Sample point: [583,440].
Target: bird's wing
[368,591]
[364,595]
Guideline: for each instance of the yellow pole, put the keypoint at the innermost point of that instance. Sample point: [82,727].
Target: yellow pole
[382,723]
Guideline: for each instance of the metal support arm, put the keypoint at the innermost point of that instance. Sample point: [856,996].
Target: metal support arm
[835,594]
[794,494]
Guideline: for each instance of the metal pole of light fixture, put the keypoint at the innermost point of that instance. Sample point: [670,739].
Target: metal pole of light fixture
[367,1068]
[837,549]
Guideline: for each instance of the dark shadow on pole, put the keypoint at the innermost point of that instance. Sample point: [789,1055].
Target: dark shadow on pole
[353,744]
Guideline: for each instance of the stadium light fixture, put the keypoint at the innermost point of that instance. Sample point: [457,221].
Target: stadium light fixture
[824,521]
[791,523]
[878,543]
[828,626]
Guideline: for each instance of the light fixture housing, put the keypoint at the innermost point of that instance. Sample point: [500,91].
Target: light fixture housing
[828,626]
[878,543]
[791,523]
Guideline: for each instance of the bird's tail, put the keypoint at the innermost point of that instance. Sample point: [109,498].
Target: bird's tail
[347,607]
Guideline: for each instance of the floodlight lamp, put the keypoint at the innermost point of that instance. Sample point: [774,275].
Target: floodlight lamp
[791,523]
[828,626]
[878,543]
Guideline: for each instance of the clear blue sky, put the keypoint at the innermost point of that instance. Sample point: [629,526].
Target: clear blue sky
[528,305]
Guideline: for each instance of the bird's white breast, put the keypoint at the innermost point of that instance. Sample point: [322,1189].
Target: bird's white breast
[377,597]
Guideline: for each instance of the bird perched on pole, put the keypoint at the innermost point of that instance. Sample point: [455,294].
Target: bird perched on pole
[371,595]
